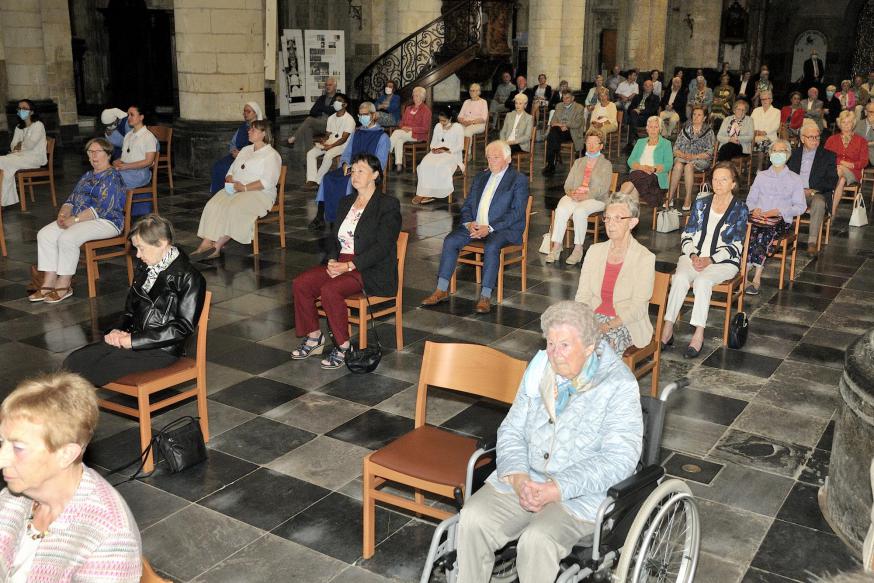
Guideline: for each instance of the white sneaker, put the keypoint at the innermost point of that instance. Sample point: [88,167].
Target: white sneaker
[575,257]
[553,255]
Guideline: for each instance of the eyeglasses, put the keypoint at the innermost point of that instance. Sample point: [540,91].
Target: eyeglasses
[609,219]
[811,137]
[94,152]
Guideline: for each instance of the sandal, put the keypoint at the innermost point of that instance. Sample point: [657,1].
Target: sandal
[336,358]
[417,199]
[40,294]
[426,200]
[58,294]
[309,346]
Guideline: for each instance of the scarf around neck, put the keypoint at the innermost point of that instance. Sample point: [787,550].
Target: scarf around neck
[154,270]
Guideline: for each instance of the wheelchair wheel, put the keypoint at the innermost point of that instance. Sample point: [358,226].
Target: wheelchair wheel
[662,544]
[504,570]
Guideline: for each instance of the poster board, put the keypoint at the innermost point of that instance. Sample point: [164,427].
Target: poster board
[308,58]
[292,78]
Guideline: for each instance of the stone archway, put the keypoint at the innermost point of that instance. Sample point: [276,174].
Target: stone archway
[804,43]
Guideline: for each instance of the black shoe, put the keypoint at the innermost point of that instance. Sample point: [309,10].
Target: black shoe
[691,352]
[317,224]
[668,344]
[548,170]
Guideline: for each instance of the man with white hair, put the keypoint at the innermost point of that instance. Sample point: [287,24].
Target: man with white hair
[493,212]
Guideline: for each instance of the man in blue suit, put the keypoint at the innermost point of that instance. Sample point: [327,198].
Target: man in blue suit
[493,212]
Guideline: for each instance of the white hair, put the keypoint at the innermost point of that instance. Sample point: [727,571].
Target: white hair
[504,146]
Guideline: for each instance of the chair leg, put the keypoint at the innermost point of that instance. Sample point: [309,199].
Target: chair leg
[170,174]
[727,318]
[255,249]
[2,237]
[501,279]
[783,263]
[452,281]
[399,328]
[52,186]
[525,271]
[90,269]
[369,512]
[202,411]
[792,262]
[130,269]
[282,228]
[363,316]
[22,195]
[145,429]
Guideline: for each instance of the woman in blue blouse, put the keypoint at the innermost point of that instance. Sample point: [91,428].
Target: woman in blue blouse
[95,210]
[251,112]
[650,162]
[388,105]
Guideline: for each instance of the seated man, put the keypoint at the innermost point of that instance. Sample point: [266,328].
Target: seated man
[673,107]
[643,106]
[521,87]
[369,138]
[812,106]
[493,212]
[502,93]
[865,128]
[818,170]
[575,429]
[626,91]
[317,121]
[340,126]
[567,125]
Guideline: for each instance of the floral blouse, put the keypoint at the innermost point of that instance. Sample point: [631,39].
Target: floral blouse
[346,234]
[104,193]
[688,142]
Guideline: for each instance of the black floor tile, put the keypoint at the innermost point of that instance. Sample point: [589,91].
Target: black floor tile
[798,552]
[372,429]
[198,481]
[402,555]
[257,395]
[481,419]
[754,575]
[256,358]
[825,442]
[260,440]
[740,361]
[706,406]
[822,355]
[776,329]
[63,339]
[811,289]
[255,328]
[801,302]
[692,468]
[801,507]
[368,389]
[264,498]
[10,314]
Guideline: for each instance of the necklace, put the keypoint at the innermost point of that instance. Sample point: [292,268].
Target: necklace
[32,532]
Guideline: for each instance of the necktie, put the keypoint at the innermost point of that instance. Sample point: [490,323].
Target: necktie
[809,104]
[482,213]
[815,69]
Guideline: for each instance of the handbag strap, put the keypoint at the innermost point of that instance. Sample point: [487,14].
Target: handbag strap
[372,325]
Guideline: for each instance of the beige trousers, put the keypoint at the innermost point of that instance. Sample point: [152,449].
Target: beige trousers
[397,140]
[233,216]
[316,171]
[700,281]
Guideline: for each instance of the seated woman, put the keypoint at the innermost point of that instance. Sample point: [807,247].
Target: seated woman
[735,136]
[592,96]
[693,152]
[603,115]
[369,138]
[586,189]
[61,521]
[162,310]
[138,151]
[851,150]
[388,105]
[712,245]
[656,77]
[474,112]
[791,117]
[847,96]
[831,106]
[446,156]
[700,95]
[249,193]
[775,199]
[251,112]
[414,126]
[723,101]
[27,150]
[362,256]
[650,161]
[617,278]
[580,403]
[766,123]
[94,210]
[516,130]
[563,86]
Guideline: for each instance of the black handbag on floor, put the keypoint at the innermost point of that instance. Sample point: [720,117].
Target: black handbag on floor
[737,330]
[180,443]
[364,360]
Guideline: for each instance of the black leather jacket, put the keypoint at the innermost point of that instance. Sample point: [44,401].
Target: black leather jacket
[167,315]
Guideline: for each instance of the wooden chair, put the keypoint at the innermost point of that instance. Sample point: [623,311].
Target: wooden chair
[826,226]
[415,149]
[868,176]
[851,192]
[472,254]
[732,289]
[142,385]
[275,215]
[38,176]
[518,157]
[783,251]
[648,358]
[151,190]
[120,248]
[2,232]
[614,139]
[379,305]
[468,146]
[594,221]
[566,148]
[164,136]
[149,575]
[430,459]
[484,136]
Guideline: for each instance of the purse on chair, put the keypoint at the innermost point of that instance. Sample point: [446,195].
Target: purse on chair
[364,360]
[738,330]
[859,217]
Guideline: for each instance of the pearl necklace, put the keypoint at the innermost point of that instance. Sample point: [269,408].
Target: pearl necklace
[32,532]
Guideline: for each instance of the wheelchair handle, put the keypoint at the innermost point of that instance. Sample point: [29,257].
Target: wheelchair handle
[677,384]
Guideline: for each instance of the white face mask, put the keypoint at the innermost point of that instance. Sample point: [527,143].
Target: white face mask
[388,90]
[338,106]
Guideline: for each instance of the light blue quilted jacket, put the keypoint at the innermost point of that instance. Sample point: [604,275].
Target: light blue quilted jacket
[595,442]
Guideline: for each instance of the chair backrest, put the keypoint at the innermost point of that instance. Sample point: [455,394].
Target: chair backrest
[614,181]
[527,221]
[403,239]
[279,205]
[532,140]
[164,135]
[468,146]
[50,152]
[743,257]
[660,298]
[202,326]
[467,368]
[128,205]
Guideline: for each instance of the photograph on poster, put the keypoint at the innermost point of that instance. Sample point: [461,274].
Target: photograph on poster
[292,81]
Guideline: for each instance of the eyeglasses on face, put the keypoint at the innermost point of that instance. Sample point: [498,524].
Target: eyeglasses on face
[609,219]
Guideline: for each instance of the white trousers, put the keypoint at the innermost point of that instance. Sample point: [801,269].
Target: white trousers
[234,216]
[475,129]
[701,282]
[397,140]
[580,211]
[489,520]
[316,171]
[9,165]
[58,249]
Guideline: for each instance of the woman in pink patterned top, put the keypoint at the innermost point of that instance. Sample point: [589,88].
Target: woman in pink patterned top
[474,112]
[59,520]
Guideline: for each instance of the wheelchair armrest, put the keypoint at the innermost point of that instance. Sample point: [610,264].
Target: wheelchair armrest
[638,481]
[487,444]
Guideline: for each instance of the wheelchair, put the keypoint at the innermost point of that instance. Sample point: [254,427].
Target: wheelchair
[646,530]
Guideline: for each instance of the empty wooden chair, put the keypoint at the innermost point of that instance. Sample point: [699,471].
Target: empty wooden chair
[164,136]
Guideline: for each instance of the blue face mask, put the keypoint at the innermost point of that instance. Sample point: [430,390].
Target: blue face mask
[592,154]
[23,114]
[778,158]
[364,119]
[829,94]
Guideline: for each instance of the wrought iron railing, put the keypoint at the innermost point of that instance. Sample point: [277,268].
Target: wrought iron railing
[456,30]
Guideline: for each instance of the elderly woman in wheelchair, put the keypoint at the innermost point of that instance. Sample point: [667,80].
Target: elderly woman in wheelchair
[564,496]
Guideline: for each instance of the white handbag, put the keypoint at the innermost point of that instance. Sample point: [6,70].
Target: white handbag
[859,218]
[545,245]
[668,220]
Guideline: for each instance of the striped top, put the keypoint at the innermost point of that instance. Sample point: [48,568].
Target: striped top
[95,538]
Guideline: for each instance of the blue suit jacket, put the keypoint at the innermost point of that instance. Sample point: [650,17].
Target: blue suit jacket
[507,209]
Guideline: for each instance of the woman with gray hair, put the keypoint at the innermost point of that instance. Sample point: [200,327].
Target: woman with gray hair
[414,126]
[776,198]
[574,430]
[617,278]
[474,112]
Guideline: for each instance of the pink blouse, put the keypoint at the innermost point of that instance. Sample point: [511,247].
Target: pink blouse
[478,109]
[611,274]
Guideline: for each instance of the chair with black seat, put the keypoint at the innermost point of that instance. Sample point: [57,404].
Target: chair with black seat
[29,178]
[430,459]
[645,525]
[142,385]
[643,360]
[164,135]
[276,214]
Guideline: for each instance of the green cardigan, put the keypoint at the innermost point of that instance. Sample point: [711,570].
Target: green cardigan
[664,155]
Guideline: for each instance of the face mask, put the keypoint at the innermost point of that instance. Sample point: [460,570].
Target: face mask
[593,154]
[23,114]
[364,119]
[778,158]
[338,105]
[229,187]
[388,90]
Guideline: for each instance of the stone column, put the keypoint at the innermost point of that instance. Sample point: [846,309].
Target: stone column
[544,48]
[572,26]
[220,63]
[4,126]
[695,46]
[58,49]
[403,17]
[644,24]
[26,75]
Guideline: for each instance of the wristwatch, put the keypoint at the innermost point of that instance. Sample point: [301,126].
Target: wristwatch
[350,267]
[75,219]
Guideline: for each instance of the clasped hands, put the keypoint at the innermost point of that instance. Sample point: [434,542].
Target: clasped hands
[533,496]
[335,268]
[118,339]
[579,194]
[477,231]
[700,263]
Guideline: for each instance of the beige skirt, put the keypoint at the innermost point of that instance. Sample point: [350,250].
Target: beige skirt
[233,216]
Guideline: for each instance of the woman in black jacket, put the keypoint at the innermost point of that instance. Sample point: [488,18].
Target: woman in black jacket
[162,310]
[363,256]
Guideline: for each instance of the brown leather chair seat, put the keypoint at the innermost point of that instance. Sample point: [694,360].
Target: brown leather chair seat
[428,453]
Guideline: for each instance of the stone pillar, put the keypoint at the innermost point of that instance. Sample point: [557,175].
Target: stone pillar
[846,498]
[4,126]
[220,63]
[58,49]
[26,74]
[403,17]
[644,25]
[695,46]
[544,47]
[573,24]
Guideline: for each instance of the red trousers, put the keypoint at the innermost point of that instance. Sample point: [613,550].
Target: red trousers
[314,284]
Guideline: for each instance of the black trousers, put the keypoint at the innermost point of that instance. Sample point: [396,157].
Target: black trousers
[728,151]
[554,139]
[101,363]
[635,120]
[515,148]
